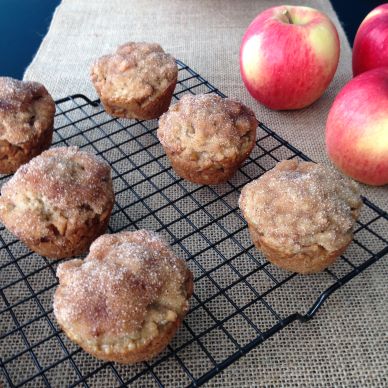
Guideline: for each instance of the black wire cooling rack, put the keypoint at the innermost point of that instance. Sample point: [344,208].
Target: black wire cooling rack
[240,299]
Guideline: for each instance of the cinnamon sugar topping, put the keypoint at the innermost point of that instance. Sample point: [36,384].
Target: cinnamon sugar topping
[65,177]
[137,71]
[59,202]
[296,205]
[130,284]
[26,110]
[206,128]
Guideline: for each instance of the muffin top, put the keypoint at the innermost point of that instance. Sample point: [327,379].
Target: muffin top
[56,192]
[64,177]
[130,284]
[137,71]
[298,204]
[206,128]
[26,110]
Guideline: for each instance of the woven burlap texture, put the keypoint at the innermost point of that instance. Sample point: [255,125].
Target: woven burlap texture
[347,344]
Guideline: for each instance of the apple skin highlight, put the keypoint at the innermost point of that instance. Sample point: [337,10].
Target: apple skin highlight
[357,128]
[370,48]
[288,56]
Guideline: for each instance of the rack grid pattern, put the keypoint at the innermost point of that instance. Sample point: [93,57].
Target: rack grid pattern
[240,299]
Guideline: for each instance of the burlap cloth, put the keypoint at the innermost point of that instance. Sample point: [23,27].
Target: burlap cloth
[347,343]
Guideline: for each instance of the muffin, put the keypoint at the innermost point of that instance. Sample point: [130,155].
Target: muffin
[136,82]
[207,137]
[59,202]
[126,300]
[301,214]
[26,122]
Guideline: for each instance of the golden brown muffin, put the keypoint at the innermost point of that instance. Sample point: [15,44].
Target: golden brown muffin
[207,137]
[301,214]
[126,300]
[26,122]
[59,202]
[136,82]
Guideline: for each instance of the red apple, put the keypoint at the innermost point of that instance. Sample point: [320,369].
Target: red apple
[357,128]
[288,56]
[370,48]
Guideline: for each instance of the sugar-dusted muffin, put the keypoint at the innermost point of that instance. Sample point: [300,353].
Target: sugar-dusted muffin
[26,122]
[136,82]
[207,137]
[126,300]
[59,202]
[301,214]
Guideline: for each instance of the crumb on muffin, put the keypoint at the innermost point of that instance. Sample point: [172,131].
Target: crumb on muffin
[301,214]
[125,301]
[137,81]
[59,202]
[26,122]
[207,137]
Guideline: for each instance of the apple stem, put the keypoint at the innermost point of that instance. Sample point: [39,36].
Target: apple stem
[288,16]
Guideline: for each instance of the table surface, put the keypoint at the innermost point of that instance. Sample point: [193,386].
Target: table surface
[20,44]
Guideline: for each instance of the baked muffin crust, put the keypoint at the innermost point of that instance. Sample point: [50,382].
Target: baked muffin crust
[59,202]
[301,214]
[137,81]
[125,301]
[26,122]
[207,137]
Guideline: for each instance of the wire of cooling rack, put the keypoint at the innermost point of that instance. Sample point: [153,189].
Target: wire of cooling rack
[240,299]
